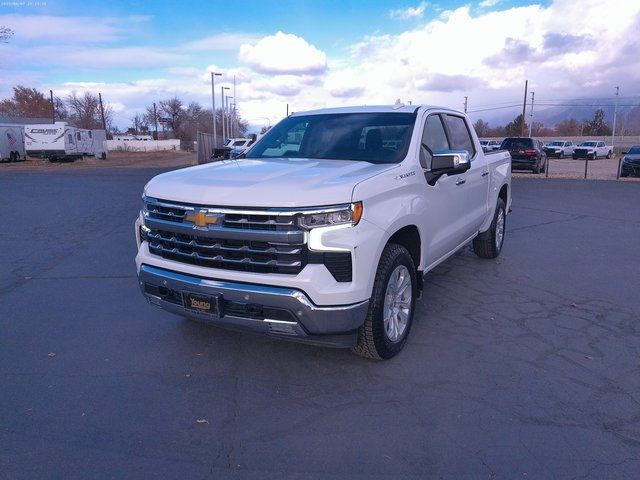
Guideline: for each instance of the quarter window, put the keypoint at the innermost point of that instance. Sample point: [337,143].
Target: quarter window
[460,136]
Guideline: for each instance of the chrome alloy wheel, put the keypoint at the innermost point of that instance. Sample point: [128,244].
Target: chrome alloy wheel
[499,228]
[397,303]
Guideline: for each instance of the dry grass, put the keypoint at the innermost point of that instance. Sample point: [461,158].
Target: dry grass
[162,159]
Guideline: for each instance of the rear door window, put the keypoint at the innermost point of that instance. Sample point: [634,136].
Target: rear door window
[459,134]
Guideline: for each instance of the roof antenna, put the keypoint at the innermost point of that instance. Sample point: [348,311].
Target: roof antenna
[398,104]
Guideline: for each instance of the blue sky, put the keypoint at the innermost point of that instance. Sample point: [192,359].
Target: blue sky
[313,53]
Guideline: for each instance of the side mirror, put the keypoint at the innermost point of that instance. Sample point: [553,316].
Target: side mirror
[450,163]
[447,163]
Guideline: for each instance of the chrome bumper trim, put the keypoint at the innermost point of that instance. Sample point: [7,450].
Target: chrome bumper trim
[312,322]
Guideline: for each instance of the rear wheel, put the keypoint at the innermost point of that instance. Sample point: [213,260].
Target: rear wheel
[609,154]
[536,169]
[489,244]
[385,330]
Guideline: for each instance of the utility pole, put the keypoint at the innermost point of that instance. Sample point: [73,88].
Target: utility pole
[465,104]
[235,104]
[53,108]
[533,96]
[229,119]
[104,123]
[287,109]
[155,119]
[615,114]
[524,107]
[213,105]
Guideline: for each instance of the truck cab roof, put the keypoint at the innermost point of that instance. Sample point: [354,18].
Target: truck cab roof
[372,109]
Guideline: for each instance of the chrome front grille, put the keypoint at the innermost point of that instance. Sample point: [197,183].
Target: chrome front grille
[232,239]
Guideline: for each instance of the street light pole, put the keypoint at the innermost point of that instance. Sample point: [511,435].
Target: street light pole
[229,119]
[615,114]
[224,131]
[213,104]
[533,96]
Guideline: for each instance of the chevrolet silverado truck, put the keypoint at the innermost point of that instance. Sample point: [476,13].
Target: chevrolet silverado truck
[323,232]
[592,150]
[559,148]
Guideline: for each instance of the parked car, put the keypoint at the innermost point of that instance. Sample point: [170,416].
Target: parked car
[592,150]
[559,148]
[631,162]
[526,154]
[490,145]
[321,233]
[12,143]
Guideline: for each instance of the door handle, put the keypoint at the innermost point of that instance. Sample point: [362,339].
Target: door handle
[460,181]
[485,173]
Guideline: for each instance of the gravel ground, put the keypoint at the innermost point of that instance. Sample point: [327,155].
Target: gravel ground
[601,169]
[523,367]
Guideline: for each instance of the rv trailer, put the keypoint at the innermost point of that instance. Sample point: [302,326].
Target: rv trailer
[53,141]
[11,143]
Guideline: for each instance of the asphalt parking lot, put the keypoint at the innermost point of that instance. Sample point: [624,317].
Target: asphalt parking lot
[523,367]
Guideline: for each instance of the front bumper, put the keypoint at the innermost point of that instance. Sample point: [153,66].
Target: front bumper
[277,311]
[630,169]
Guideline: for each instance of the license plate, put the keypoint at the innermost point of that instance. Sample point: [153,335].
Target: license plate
[202,303]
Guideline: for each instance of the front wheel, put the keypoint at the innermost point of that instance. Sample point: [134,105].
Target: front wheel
[609,154]
[385,330]
[561,156]
[489,244]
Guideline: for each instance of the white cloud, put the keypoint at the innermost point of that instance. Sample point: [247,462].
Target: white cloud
[485,55]
[409,12]
[221,42]
[79,29]
[283,53]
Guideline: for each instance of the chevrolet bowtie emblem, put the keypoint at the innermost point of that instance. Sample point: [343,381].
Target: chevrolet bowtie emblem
[203,219]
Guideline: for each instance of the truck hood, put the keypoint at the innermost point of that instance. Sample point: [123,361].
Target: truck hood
[276,182]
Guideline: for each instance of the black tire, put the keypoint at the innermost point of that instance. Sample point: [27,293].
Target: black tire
[594,156]
[485,244]
[609,154]
[561,156]
[543,169]
[624,174]
[373,341]
[13,157]
[536,169]
[574,157]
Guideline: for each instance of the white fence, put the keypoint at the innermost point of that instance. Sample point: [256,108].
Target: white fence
[142,145]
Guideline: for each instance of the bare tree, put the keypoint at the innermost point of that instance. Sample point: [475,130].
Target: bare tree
[139,123]
[481,127]
[84,111]
[5,34]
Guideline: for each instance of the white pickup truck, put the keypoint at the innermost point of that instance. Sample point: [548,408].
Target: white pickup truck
[592,150]
[324,231]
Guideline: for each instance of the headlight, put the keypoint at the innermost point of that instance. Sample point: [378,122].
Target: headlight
[340,215]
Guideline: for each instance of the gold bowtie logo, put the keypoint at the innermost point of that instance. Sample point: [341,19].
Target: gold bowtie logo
[203,219]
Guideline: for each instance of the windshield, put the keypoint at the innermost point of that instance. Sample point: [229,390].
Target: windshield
[238,143]
[634,150]
[517,143]
[556,144]
[484,142]
[588,144]
[369,137]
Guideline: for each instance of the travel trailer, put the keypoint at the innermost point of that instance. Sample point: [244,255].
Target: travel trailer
[60,141]
[11,143]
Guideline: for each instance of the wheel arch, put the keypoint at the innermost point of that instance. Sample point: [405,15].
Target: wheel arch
[409,237]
